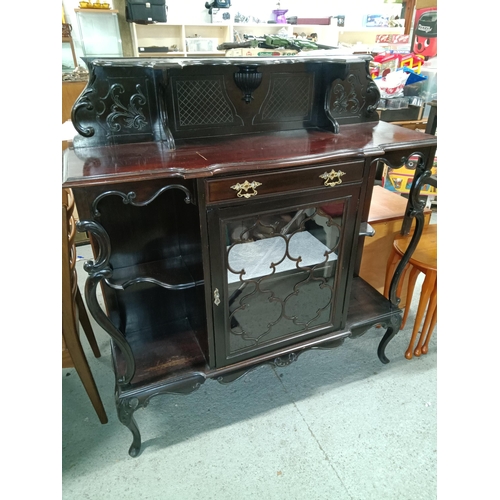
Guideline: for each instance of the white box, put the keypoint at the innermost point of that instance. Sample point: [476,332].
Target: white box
[198,44]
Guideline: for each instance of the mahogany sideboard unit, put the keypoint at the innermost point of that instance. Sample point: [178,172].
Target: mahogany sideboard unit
[227,202]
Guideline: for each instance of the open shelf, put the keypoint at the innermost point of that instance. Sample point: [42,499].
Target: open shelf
[171,351]
[168,352]
[169,34]
[176,273]
[366,306]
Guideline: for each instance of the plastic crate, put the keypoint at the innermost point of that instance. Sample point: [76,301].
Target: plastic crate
[199,44]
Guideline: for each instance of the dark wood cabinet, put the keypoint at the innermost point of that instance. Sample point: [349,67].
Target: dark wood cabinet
[218,250]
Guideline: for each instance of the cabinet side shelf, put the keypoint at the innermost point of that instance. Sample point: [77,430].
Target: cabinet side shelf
[162,353]
[175,273]
[171,352]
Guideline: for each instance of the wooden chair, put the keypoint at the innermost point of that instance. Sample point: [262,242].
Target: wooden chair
[423,260]
[74,312]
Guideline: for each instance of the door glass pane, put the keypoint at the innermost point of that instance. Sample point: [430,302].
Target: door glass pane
[281,270]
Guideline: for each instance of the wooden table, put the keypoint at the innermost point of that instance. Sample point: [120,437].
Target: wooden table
[386,215]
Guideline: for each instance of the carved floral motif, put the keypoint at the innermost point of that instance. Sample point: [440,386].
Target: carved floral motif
[130,115]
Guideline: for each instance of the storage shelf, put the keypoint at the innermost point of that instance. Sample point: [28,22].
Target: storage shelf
[171,351]
[203,53]
[377,30]
[165,352]
[98,11]
[168,34]
[162,54]
[176,273]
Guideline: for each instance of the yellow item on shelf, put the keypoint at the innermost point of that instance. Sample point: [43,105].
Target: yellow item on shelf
[400,180]
[413,61]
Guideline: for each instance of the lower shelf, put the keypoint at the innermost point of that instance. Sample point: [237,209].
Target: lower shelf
[181,368]
[161,357]
[165,361]
[367,306]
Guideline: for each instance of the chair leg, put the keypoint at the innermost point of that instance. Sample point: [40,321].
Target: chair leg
[85,322]
[83,370]
[409,294]
[427,288]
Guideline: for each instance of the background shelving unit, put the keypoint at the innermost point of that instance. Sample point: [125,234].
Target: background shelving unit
[365,35]
[169,34]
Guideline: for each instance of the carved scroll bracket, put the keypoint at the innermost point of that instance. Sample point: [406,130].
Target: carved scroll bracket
[129,198]
[414,210]
[98,271]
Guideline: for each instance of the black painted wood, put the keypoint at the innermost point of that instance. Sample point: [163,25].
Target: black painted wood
[164,100]
[159,193]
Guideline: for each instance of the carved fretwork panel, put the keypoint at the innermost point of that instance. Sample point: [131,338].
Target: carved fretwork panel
[345,99]
[353,99]
[117,108]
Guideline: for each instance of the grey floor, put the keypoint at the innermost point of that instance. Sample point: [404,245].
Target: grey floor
[336,424]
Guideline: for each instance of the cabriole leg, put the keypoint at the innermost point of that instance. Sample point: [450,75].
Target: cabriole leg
[126,408]
[391,331]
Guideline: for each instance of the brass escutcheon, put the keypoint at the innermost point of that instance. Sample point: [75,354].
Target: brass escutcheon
[333,178]
[245,187]
[216,297]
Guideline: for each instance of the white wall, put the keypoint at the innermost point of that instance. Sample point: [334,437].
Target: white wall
[194,11]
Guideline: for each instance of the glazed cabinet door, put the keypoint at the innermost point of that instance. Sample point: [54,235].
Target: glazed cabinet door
[279,270]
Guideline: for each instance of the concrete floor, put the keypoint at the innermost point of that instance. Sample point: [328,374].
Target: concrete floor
[337,424]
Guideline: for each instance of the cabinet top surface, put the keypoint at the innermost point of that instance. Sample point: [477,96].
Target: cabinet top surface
[235,154]
[161,62]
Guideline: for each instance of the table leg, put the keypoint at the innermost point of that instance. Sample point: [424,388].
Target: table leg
[425,347]
[428,317]
[427,288]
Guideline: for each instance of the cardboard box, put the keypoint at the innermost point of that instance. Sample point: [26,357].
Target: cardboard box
[375,21]
[391,38]
[258,52]
[410,113]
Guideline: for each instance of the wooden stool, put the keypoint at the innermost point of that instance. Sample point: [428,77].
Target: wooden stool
[423,260]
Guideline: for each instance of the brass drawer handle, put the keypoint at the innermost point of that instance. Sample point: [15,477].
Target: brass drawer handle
[333,178]
[245,187]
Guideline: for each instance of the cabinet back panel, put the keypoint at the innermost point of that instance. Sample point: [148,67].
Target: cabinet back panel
[152,232]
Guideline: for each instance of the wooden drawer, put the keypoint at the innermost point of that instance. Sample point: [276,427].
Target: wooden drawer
[254,186]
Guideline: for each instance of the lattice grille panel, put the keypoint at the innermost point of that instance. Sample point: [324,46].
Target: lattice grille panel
[202,102]
[290,98]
